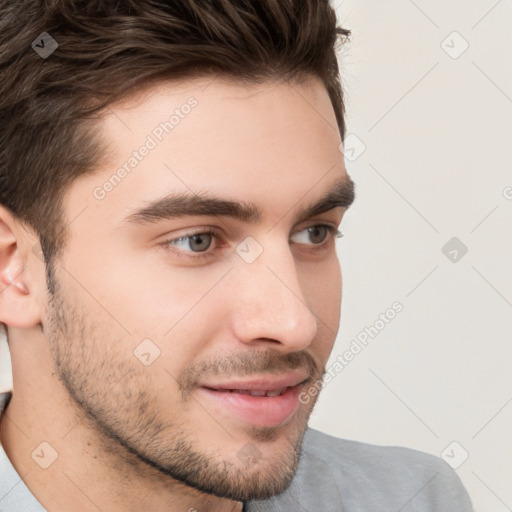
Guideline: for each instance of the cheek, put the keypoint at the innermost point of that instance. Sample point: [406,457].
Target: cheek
[144,294]
[321,284]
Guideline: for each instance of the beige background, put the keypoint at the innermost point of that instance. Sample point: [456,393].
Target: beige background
[437,164]
[431,129]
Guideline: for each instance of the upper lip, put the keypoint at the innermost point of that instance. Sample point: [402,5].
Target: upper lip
[264,383]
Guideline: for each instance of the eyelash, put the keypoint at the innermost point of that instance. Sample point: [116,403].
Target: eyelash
[168,244]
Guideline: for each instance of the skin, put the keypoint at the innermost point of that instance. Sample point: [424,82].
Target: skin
[123,431]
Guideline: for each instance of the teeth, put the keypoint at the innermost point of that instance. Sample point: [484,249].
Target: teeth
[257,392]
[276,392]
[254,392]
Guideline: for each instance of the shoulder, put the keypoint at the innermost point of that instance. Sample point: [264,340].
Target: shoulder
[389,477]
[349,476]
[367,457]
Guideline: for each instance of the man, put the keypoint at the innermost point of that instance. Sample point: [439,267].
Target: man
[171,191]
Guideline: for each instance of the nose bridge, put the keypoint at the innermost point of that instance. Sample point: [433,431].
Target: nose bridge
[269,302]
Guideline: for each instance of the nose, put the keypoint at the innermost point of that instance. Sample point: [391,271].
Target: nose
[268,303]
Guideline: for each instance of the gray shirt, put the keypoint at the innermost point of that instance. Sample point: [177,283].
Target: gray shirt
[333,475]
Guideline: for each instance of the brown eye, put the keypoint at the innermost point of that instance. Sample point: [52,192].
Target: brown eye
[317,234]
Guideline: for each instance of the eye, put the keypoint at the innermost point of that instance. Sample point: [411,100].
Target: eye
[194,242]
[204,244]
[315,235]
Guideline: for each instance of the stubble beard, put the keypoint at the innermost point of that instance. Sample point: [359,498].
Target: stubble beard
[126,420]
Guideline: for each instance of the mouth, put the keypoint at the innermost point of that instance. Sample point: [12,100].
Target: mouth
[268,401]
[255,392]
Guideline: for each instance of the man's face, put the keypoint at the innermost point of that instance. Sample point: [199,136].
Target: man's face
[174,309]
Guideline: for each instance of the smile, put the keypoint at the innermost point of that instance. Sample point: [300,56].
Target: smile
[268,401]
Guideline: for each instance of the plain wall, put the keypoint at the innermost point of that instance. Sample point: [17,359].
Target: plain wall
[437,131]
[437,134]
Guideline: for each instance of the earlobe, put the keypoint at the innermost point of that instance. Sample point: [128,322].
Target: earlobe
[18,304]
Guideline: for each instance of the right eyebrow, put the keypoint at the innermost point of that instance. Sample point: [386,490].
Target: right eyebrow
[173,206]
[184,204]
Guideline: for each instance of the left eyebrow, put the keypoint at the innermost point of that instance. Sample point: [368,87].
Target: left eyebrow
[186,204]
[342,194]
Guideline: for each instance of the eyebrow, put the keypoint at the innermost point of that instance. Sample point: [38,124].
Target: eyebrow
[184,204]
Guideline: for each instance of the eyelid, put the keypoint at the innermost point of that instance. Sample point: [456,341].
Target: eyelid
[213,232]
[168,243]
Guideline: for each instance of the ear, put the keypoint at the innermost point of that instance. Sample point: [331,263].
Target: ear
[18,304]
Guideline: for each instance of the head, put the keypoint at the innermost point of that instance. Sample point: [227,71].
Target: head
[170,188]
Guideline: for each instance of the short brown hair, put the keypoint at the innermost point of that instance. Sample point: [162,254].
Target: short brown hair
[107,48]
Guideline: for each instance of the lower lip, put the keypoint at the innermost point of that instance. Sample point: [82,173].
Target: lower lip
[265,411]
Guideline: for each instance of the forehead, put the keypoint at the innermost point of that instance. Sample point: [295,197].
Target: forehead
[213,134]
[216,107]
[220,91]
